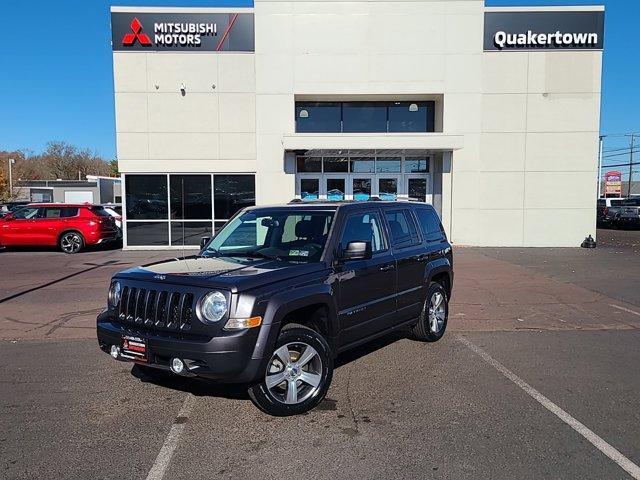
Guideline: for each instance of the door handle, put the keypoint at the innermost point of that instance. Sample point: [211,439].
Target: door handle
[386,268]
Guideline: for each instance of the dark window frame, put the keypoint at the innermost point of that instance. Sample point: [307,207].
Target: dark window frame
[428,105]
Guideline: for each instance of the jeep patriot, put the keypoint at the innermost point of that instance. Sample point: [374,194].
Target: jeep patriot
[279,292]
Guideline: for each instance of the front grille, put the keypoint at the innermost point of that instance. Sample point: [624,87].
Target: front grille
[156,308]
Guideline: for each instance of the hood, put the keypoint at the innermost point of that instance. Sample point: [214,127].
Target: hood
[230,273]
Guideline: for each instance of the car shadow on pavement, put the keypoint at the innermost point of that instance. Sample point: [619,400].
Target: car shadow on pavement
[201,387]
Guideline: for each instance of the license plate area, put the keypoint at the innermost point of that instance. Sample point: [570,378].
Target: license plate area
[134,348]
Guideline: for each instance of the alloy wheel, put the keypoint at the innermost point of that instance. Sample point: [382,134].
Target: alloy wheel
[294,373]
[436,312]
[71,243]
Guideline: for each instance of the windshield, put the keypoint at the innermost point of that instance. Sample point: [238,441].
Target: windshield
[284,235]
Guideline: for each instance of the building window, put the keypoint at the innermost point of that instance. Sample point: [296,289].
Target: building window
[318,117]
[416,165]
[146,197]
[190,194]
[361,117]
[365,117]
[232,193]
[154,234]
[172,210]
[309,164]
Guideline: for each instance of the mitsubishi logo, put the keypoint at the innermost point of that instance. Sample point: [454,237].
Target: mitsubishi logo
[138,34]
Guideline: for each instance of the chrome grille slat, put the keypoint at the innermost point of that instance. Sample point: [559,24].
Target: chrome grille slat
[157,309]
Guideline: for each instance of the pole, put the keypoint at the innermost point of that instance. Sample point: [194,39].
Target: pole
[633,137]
[600,167]
[11,162]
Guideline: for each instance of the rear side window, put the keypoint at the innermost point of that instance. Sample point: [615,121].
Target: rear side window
[632,202]
[52,212]
[429,221]
[67,212]
[99,211]
[402,228]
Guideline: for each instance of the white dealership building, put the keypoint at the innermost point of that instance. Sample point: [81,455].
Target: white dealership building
[490,114]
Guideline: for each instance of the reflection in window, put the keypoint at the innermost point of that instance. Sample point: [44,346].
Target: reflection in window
[309,164]
[416,165]
[388,189]
[408,117]
[191,232]
[335,189]
[336,165]
[364,117]
[232,193]
[146,197]
[418,189]
[147,233]
[361,189]
[309,189]
[362,165]
[196,192]
[388,165]
[318,117]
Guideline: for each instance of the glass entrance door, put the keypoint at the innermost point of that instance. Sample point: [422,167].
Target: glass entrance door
[335,187]
[361,187]
[418,187]
[389,187]
[308,187]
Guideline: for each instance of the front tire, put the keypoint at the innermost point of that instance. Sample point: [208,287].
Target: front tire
[297,375]
[435,312]
[71,242]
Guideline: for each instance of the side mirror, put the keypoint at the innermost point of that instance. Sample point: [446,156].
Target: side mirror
[357,251]
[204,241]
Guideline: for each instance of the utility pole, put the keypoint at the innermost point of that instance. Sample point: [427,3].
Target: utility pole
[11,162]
[633,137]
[600,168]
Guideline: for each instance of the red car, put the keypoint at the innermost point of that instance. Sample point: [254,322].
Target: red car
[68,226]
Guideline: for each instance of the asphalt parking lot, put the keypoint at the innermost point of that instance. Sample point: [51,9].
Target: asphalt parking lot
[538,339]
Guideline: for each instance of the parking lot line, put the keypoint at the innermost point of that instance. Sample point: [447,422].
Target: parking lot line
[598,442]
[624,309]
[170,444]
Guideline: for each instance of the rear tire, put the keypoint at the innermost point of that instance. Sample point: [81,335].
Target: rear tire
[71,242]
[435,312]
[297,375]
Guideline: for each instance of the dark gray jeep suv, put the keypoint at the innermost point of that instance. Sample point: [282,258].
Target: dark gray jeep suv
[279,292]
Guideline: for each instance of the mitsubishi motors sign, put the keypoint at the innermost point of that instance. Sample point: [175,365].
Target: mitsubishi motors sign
[205,32]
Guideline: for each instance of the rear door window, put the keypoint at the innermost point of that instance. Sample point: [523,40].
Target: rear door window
[68,212]
[52,212]
[402,228]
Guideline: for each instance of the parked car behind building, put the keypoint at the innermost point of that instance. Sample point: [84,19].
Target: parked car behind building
[69,226]
[608,211]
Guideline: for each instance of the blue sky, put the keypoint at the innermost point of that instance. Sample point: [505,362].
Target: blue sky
[57,82]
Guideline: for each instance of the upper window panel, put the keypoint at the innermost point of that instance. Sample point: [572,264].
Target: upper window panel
[364,117]
[190,197]
[232,193]
[146,197]
[318,117]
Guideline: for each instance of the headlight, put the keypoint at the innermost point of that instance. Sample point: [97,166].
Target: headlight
[212,307]
[114,294]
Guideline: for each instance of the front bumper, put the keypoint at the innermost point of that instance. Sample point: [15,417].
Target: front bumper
[227,358]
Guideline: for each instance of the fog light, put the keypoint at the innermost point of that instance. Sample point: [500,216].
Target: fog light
[115,351]
[177,366]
